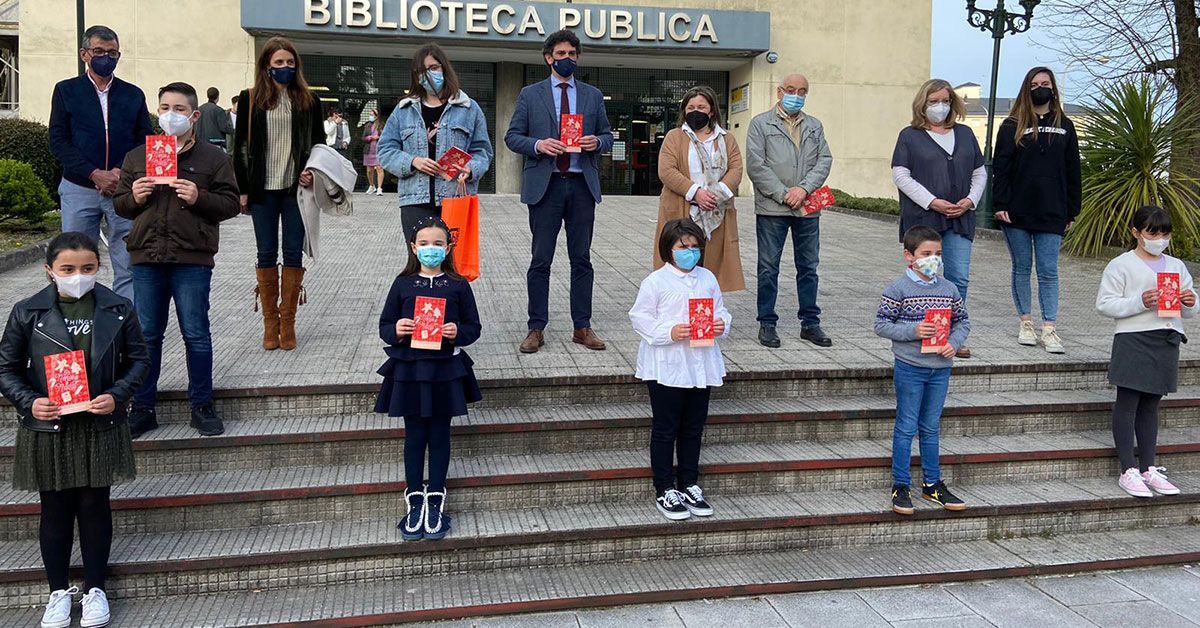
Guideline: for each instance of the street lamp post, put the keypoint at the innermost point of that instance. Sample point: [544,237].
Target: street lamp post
[1000,22]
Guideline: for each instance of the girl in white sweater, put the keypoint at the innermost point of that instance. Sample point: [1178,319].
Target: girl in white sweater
[1145,352]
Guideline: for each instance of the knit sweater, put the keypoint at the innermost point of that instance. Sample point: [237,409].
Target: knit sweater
[1125,278]
[902,307]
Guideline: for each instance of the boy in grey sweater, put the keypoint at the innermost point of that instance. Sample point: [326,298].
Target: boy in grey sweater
[921,379]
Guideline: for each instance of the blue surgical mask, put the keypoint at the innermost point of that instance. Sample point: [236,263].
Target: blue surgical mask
[431,256]
[928,266]
[686,259]
[283,76]
[565,67]
[103,66]
[793,103]
[433,81]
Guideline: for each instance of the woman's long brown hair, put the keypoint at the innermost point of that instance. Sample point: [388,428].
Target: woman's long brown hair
[266,96]
[450,86]
[1022,111]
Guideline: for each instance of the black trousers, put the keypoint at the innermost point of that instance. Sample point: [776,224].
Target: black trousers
[1135,414]
[60,510]
[569,202]
[675,433]
[421,434]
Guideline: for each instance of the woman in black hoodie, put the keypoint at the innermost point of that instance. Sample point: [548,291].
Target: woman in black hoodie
[1036,192]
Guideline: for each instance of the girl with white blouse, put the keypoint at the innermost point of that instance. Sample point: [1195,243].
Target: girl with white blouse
[680,376]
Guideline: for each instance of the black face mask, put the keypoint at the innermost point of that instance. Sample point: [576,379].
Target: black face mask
[697,120]
[1041,95]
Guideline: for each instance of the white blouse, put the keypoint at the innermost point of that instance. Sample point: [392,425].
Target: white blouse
[662,303]
[696,166]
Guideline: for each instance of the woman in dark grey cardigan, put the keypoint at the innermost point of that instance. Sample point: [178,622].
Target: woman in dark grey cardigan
[938,167]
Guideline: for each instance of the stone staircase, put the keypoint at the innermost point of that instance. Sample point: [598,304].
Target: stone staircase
[289,518]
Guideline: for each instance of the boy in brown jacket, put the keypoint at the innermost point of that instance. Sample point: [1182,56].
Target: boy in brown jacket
[171,248]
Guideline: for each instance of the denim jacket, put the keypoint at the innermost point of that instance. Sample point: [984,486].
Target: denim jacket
[404,138]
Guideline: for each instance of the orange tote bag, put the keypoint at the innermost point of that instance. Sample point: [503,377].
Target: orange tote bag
[461,214]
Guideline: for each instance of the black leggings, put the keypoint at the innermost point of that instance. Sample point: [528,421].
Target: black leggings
[60,510]
[1135,413]
[419,434]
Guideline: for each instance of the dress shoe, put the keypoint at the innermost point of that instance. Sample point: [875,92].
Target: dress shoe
[817,336]
[767,337]
[963,353]
[589,339]
[533,341]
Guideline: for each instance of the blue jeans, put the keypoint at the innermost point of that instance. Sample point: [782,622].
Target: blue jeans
[920,396]
[82,209]
[772,232]
[189,286]
[277,206]
[956,255]
[1024,247]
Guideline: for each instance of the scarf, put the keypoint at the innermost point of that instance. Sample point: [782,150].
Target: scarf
[713,165]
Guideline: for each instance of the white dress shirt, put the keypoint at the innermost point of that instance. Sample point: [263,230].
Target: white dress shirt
[662,303]
[102,94]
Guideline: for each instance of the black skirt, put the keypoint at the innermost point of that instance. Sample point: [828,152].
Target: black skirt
[1146,361]
[433,388]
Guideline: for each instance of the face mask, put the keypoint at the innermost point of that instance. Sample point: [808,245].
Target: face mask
[1041,95]
[564,67]
[937,112]
[431,256]
[103,66]
[283,76]
[174,123]
[1156,247]
[793,103]
[370,118]
[686,259]
[697,120]
[433,81]
[928,266]
[74,286]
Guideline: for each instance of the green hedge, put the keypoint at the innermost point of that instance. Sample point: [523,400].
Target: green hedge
[24,199]
[866,203]
[29,142]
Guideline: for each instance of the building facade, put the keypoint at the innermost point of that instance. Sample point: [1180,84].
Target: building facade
[864,60]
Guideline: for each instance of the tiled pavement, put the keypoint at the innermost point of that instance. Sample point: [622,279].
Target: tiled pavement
[1163,597]
[361,254]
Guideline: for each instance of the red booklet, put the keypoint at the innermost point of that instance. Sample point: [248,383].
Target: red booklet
[700,318]
[571,131]
[821,198]
[162,162]
[941,318]
[429,316]
[1169,305]
[66,382]
[453,161]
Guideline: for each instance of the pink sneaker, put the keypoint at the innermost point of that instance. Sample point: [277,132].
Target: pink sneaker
[1131,482]
[1155,479]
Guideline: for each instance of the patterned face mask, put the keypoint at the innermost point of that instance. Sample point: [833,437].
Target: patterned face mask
[929,266]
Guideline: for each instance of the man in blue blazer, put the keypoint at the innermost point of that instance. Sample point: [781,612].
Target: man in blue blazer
[95,119]
[560,187]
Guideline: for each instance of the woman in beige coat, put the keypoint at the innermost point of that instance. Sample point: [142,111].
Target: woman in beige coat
[700,166]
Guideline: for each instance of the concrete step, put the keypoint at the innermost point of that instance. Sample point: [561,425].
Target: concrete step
[269,443]
[316,554]
[522,590]
[245,498]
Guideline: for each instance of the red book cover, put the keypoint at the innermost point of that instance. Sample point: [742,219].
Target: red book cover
[1169,305]
[429,314]
[821,198]
[162,162]
[454,160]
[571,131]
[66,382]
[941,318]
[700,318]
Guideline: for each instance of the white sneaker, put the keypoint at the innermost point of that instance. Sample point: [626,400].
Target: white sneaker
[370,190]
[58,609]
[1027,336]
[95,609]
[1051,341]
[378,191]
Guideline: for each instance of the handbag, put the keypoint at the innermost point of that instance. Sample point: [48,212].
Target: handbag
[461,214]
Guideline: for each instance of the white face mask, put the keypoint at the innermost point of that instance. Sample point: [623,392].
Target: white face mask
[937,112]
[1156,247]
[174,123]
[74,286]
[928,266]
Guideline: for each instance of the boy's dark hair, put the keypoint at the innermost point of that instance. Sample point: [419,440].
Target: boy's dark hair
[179,87]
[234,100]
[413,266]
[70,241]
[674,231]
[915,236]
[558,37]
[213,94]
[1153,219]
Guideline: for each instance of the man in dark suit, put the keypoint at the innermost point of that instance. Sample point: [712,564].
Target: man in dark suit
[560,187]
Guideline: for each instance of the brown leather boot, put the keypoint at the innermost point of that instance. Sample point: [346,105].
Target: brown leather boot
[291,296]
[267,294]
[589,339]
[533,341]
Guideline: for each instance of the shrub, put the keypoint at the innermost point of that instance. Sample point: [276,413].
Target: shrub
[23,197]
[889,206]
[29,142]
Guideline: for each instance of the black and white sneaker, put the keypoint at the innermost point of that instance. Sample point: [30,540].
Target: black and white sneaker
[901,501]
[940,495]
[693,500]
[670,504]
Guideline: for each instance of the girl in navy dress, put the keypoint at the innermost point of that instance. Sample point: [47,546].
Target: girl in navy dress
[427,387]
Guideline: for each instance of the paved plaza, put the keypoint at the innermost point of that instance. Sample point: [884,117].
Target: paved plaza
[360,255]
